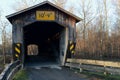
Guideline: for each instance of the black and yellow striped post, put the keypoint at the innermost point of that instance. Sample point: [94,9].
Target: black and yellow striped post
[72,47]
[17,50]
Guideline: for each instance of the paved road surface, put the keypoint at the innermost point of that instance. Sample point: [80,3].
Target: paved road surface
[53,74]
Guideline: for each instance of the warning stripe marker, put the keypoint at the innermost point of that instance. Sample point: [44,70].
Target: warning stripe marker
[18,45]
[17,50]
[73,52]
[16,55]
[71,47]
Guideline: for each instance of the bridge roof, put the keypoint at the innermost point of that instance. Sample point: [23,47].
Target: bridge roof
[9,17]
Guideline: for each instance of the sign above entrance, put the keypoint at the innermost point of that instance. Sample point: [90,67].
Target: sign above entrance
[45,15]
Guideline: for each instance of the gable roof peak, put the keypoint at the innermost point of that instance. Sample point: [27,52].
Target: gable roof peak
[43,3]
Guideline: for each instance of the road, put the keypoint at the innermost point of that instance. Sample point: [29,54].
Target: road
[53,74]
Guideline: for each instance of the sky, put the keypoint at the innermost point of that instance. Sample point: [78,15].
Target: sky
[7,5]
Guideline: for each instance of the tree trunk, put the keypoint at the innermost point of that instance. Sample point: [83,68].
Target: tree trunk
[4,54]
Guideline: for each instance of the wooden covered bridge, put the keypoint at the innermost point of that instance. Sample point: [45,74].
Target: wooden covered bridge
[44,33]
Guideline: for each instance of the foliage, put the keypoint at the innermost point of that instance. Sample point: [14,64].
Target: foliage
[98,39]
[102,76]
[21,75]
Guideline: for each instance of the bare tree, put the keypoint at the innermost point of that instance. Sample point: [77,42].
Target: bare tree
[25,4]
[3,25]
[87,15]
[95,29]
[32,49]
[100,24]
[118,15]
[60,3]
[115,38]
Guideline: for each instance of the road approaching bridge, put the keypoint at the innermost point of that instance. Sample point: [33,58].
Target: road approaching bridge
[53,74]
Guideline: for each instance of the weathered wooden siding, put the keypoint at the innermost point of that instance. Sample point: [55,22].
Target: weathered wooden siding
[61,18]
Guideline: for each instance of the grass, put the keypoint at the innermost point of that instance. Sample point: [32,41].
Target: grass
[100,75]
[21,75]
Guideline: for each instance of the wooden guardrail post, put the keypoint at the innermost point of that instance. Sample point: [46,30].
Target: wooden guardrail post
[105,73]
[80,67]
[70,65]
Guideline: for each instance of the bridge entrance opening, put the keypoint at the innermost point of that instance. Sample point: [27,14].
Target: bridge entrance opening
[43,43]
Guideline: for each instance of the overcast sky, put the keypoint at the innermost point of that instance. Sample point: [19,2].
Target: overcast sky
[7,5]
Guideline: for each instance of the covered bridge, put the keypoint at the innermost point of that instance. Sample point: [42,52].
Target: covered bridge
[43,34]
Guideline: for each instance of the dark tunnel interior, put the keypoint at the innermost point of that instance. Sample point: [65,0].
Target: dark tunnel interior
[46,35]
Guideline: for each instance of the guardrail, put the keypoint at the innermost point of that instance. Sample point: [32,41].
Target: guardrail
[10,70]
[95,65]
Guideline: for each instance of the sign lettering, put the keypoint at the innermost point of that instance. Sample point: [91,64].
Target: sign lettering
[45,15]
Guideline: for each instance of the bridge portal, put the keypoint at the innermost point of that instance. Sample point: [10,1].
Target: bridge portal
[50,39]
